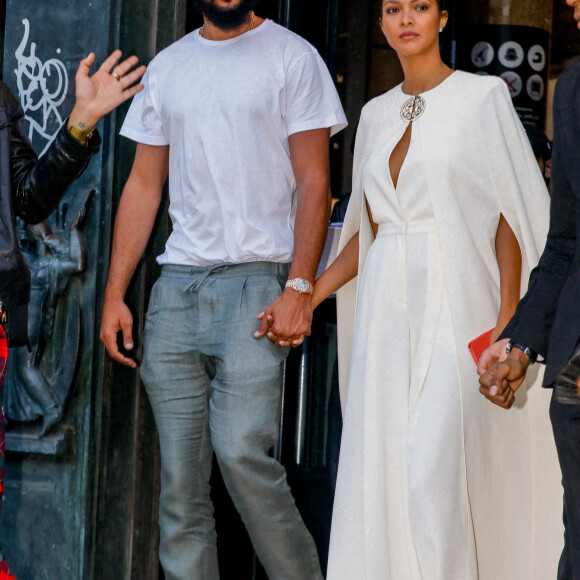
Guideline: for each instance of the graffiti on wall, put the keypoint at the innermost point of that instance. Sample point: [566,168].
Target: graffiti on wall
[40,376]
[42,88]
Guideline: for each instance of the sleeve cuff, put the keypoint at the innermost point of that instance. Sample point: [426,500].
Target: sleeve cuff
[75,148]
[335,123]
[143,138]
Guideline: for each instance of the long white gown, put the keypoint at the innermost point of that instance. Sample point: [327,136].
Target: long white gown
[403,504]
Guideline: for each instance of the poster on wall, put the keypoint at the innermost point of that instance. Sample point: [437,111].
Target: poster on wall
[518,55]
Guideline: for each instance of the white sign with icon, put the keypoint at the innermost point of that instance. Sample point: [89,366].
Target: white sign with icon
[536,87]
[519,56]
[537,58]
[514,83]
[511,54]
[482,54]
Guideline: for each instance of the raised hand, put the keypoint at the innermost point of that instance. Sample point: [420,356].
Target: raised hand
[106,89]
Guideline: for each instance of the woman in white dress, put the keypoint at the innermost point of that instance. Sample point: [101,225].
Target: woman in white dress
[449,213]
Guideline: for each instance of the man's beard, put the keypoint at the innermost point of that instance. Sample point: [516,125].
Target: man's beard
[225,18]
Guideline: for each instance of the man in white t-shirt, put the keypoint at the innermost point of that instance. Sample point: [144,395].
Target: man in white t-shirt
[238,114]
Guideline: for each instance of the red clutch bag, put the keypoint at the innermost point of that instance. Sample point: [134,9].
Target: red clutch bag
[479,344]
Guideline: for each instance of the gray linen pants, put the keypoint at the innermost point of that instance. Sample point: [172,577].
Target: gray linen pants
[215,388]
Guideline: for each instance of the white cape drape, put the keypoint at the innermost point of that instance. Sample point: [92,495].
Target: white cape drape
[479,164]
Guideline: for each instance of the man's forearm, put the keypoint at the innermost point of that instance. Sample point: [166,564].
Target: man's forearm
[133,226]
[310,163]
[136,215]
[287,320]
[310,229]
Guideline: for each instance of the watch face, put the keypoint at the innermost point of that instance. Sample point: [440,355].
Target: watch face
[302,285]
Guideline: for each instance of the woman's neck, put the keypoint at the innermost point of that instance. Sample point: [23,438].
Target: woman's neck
[423,73]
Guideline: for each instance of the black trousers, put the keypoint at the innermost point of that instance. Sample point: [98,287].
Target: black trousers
[565,417]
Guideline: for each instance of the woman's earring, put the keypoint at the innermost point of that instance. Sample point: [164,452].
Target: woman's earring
[440,30]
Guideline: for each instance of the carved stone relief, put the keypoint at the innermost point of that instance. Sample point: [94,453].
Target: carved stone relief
[40,377]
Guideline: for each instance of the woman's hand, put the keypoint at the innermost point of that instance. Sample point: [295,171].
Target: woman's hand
[105,90]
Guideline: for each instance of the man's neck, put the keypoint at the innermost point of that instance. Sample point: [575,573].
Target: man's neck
[211,32]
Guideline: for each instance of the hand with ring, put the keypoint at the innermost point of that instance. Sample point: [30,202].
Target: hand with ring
[105,90]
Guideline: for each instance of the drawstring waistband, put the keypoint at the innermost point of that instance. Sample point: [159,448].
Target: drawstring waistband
[201,273]
[196,284]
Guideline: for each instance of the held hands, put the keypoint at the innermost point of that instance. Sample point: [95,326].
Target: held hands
[287,320]
[490,357]
[501,376]
[105,90]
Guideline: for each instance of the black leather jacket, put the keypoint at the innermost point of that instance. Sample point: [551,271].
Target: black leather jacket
[31,189]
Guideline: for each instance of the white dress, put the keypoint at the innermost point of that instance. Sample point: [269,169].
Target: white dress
[403,508]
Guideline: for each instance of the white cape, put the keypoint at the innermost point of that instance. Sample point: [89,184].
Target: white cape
[478,164]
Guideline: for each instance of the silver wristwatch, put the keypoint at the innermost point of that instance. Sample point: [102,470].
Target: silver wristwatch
[300,285]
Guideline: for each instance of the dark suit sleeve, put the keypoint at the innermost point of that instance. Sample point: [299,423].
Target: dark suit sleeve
[39,184]
[534,317]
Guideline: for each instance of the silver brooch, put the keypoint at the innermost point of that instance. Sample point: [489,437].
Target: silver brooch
[413,108]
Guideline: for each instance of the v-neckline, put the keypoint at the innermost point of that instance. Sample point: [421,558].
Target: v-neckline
[395,186]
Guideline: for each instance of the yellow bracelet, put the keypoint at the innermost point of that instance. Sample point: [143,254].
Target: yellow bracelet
[82,134]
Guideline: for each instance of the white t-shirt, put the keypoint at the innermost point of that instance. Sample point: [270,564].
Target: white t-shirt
[226,109]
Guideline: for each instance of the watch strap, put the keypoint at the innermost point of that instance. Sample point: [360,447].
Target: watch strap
[532,355]
[300,285]
[82,134]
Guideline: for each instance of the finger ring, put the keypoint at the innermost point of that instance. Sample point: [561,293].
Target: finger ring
[116,75]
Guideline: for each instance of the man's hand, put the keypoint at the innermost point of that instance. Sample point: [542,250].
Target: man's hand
[117,317]
[287,320]
[102,92]
[500,382]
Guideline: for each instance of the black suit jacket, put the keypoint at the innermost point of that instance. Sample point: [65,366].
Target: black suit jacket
[548,316]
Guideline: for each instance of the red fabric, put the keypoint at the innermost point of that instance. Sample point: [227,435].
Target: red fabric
[3,365]
[4,571]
